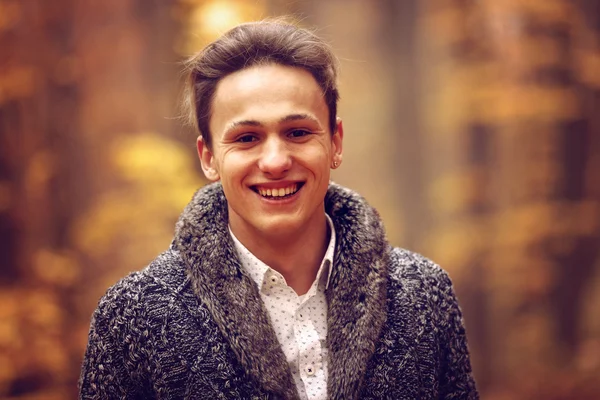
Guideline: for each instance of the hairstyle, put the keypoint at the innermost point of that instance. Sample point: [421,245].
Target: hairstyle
[257,43]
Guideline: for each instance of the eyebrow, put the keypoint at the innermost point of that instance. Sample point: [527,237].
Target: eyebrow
[299,117]
[247,122]
[287,118]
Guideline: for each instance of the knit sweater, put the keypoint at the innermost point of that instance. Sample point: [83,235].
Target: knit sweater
[192,324]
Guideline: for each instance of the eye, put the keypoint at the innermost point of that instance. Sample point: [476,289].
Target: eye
[298,133]
[246,139]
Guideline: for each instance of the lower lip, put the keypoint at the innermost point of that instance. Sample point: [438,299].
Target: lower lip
[281,202]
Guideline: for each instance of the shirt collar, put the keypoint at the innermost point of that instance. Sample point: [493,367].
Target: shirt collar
[257,269]
[327,262]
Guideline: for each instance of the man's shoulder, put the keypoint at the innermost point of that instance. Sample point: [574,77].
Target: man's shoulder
[161,279]
[406,262]
[418,288]
[413,271]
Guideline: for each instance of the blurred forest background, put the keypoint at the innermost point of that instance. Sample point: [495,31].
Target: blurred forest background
[473,127]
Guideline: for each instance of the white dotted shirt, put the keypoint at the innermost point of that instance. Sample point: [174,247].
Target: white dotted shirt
[300,322]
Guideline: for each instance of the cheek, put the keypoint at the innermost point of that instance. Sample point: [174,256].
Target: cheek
[319,158]
[235,168]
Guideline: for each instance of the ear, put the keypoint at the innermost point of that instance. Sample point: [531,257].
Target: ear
[207,160]
[337,144]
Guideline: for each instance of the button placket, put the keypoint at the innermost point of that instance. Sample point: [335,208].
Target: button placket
[309,346]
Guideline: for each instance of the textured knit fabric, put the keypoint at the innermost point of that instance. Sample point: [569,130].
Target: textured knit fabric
[299,322]
[192,324]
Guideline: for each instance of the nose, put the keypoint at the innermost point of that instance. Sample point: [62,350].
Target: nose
[275,159]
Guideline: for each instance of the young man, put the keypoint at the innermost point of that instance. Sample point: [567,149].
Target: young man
[278,284]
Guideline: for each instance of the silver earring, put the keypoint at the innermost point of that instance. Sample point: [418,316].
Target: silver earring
[335,164]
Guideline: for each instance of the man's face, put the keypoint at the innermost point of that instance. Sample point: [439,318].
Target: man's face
[272,150]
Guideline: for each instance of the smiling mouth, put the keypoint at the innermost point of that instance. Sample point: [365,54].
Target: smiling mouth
[278,193]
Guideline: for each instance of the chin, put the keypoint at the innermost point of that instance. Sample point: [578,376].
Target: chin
[279,226]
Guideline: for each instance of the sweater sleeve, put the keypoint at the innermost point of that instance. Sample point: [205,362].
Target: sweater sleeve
[106,369]
[456,379]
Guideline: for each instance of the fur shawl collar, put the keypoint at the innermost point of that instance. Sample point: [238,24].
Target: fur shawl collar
[356,295]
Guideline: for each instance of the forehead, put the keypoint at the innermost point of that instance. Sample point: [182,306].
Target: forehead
[265,93]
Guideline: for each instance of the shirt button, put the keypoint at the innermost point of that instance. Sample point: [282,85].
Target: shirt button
[273,279]
[310,370]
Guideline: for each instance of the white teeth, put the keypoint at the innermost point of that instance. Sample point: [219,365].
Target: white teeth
[279,192]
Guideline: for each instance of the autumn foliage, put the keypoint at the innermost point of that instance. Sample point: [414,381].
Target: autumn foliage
[472,126]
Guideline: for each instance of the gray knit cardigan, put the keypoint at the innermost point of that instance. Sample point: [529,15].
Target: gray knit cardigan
[192,324]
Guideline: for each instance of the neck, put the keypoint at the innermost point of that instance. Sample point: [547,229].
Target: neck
[297,257]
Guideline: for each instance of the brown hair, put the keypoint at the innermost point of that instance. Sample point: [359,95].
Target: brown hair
[252,44]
